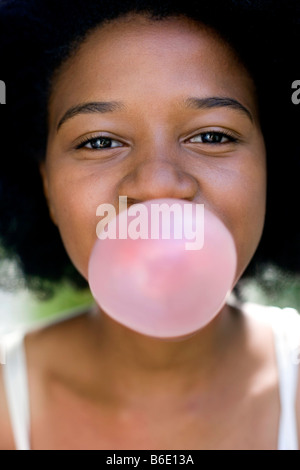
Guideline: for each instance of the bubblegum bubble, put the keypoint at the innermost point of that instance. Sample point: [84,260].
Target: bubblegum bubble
[163,276]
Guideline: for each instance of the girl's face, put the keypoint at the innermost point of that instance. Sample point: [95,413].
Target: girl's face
[173,115]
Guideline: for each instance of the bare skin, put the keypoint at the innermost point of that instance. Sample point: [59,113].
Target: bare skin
[94,383]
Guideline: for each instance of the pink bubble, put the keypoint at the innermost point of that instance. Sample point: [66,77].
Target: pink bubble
[158,287]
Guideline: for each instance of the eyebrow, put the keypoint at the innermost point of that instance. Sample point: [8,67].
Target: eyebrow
[218,102]
[196,103]
[88,108]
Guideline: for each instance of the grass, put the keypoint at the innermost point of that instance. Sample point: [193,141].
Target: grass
[22,307]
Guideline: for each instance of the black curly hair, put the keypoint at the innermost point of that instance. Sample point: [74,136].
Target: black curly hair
[37,36]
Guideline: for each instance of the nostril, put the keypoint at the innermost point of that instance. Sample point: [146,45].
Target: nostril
[131,201]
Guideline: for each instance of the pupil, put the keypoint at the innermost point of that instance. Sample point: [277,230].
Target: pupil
[100,143]
[213,137]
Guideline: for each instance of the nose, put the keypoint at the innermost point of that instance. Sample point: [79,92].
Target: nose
[157,178]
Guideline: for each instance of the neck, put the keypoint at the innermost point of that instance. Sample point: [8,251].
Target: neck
[152,354]
[106,360]
[141,359]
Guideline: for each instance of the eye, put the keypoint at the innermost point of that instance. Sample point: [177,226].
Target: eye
[99,143]
[213,137]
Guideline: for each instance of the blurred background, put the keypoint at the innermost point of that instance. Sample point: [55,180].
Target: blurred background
[18,307]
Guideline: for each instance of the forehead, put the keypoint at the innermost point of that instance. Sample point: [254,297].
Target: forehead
[138,55]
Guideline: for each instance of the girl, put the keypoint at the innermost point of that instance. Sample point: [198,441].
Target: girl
[149,100]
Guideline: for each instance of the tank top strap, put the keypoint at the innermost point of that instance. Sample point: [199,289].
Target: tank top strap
[15,375]
[16,387]
[286,329]
[285,324]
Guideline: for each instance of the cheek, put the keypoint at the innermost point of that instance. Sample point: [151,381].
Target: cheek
[248,209]
[74,199]
[234,188]
[76,219]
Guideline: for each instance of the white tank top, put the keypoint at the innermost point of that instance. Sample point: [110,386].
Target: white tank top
[286,328]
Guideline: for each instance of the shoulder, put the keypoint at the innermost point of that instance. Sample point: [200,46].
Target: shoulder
[294,334]
[286,326]
[6,435]
[285,322]
[12,386]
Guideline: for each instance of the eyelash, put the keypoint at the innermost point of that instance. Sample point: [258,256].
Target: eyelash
[227,134]
[221,134]
[89,140]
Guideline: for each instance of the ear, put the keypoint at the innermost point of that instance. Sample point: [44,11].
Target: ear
[43,173]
